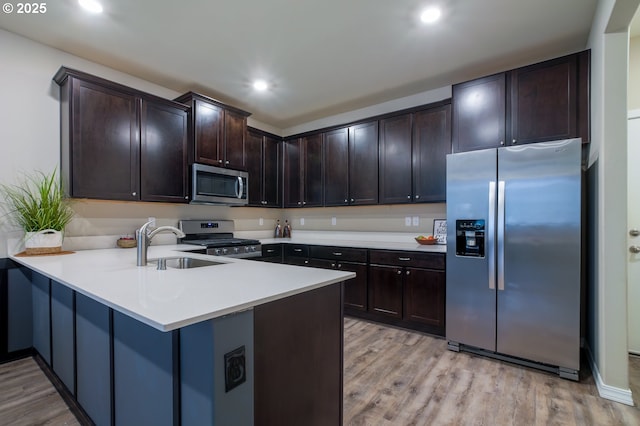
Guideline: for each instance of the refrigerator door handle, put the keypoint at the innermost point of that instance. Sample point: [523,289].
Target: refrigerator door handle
[491,231]
[500,238]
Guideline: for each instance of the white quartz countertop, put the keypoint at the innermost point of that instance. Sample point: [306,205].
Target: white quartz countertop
[346,242]
[175,298]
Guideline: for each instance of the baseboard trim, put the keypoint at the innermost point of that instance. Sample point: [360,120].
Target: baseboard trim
[636,353]
[606,391]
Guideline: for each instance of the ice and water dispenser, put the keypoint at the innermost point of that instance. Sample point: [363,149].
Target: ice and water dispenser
[470,237]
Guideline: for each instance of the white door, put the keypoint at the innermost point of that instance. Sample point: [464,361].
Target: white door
[633,203]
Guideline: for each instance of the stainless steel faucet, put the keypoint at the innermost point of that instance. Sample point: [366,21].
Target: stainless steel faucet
[144,236]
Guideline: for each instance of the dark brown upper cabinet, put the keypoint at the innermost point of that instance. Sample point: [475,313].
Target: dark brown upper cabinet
[303,167]
[351,165]
[118,143]
[431,144]
[396,160]
[536,103]
[218,131]
[363,163]
[413,149]
[263,164]
[336,169]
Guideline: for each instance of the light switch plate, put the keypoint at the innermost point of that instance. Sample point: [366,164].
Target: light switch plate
[416,221]
[407,221]
[333,221]
[261,221]
[302,221]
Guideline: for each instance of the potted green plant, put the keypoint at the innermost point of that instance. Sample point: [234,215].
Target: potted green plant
[38,205]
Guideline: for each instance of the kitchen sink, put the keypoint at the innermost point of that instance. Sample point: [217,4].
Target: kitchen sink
[183,262]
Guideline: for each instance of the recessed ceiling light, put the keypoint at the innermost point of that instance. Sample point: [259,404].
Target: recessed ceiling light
[91,6]
[430,15]
[260,85]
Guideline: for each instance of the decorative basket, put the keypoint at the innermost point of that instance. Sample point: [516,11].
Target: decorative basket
[126,243]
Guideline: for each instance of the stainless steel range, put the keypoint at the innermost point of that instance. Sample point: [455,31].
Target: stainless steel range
[216,236]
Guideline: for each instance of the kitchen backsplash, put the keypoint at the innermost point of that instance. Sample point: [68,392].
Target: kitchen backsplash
[98,224]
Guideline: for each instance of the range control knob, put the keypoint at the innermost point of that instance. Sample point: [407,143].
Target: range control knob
[216,252]
[251,248]
[225,251]
[236,250]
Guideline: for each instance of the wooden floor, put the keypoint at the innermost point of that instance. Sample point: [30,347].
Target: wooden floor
[28,398]
[394,377]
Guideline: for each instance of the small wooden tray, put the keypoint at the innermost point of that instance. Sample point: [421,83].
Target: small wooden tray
[25,254]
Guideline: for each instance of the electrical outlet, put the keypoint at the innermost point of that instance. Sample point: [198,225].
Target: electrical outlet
[302,221]
[152,220]
[415,221]
[235,368]
[407,221]
[261,221]
[333,221]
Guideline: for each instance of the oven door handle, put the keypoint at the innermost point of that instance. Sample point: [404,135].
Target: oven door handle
[239,187]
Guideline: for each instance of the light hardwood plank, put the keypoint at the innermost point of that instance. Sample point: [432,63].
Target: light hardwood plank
[27,397]
[400,377]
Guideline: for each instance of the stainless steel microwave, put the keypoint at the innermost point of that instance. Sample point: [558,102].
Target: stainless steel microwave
[217,185]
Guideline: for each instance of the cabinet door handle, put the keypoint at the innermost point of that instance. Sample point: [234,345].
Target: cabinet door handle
[220,161]
[226,162]
[271,251]
[134,193]
[404,259]
[417,196]
[339,265]
[186,197]
[408,197]
[399,272]
[408,272]
[346,201]
[306,262]
[514,142]
[333,265]
[297,250]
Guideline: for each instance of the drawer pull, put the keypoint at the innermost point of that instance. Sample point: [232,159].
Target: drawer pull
[337,253]
[405,259]
[271,251]
[298,250]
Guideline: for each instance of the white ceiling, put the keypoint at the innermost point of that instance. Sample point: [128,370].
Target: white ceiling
[323,57]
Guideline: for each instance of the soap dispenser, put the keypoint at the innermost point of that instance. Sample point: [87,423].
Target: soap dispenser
[286,233]
[278,231]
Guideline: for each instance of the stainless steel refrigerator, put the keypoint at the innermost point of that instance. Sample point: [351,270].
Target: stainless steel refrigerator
[513,254]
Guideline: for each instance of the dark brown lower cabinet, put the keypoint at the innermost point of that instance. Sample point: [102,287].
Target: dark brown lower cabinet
[298,359]
[407,289]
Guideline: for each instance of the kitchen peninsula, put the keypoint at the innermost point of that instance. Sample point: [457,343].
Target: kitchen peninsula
[237,342]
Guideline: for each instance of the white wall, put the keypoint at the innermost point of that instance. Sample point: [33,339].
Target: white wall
[634,74]
[607,204]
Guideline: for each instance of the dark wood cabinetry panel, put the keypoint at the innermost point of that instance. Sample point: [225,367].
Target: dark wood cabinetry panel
[163,153]
[385,290]
[363,163]
[424,296]
[262,161]
[207,132]
[336,174]
[431,144]
[355,289]
[118,143]
[479,113]
[271,175]
[104,144]
[306,330]
[395,160]
[292,173]
[235,127]
[544,101]
[218,131]
[312,170]
[253,162]
[536,103]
